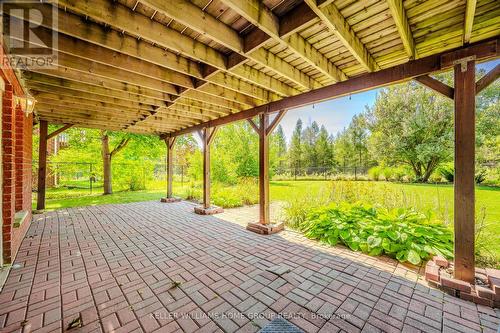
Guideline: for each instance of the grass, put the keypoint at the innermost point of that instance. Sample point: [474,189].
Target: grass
[426,197]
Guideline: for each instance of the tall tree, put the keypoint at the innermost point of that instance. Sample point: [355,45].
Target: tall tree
[309,138]
[296,147]
[358,136]
[323,149]
[412,125]
[280,141]
[107,156]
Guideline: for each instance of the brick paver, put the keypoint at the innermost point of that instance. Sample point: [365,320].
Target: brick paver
[146,267]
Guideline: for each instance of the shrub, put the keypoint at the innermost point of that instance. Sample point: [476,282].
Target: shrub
[400,233]
[374,173]
[387,172]
[398,173]
[448,172]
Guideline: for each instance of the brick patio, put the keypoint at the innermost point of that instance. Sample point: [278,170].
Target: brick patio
[115,266]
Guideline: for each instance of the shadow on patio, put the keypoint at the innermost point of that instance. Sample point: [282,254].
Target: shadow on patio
[150,266]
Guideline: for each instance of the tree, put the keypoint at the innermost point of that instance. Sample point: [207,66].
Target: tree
[342,146]
[278,140]
[323,149]
[411,125]
[296,147]
[358,137]
[107,155]
[488,124]
[309,138]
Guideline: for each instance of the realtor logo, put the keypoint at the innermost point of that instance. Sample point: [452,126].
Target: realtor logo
[29,34]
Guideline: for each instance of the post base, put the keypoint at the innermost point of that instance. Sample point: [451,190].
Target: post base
[200,210]
[266,229]
[172,199]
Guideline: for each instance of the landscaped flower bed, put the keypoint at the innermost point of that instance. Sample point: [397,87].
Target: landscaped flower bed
[404,234]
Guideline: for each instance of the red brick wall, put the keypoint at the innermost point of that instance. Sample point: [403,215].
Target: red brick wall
[8,181]
[16,165]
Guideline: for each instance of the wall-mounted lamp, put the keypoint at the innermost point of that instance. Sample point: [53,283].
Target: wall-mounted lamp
[27,103]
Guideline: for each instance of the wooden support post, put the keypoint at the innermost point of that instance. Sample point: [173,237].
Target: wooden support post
[264,130]
[206,168]
[170,170]
[42,165]
[465,107]
[207,136]
[264,217]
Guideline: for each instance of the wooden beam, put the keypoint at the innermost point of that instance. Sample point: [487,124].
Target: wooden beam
[254,125]
[63,94]
[46,83]
[337,24]
[59,131]
[260,16]
[401,19]
[488,79]
[275,122]
[72,25]
[103,82]
[436,85]
[42,165]
[124,19]
[435,63]
[195,18]
[470,11]
[296,19]
[211,137]
[465,110]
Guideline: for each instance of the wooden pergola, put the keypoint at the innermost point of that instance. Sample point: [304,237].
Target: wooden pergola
[173,67]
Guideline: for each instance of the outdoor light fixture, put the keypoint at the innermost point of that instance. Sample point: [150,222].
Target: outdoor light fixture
[27,103]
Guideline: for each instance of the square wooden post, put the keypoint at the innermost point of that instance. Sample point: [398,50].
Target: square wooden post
[207,136]
[465,107]
[206,169]
[42,165]
[170,170]
[265,128]
[264,216]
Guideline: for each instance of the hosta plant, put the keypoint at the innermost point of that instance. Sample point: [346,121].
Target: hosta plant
[400,233]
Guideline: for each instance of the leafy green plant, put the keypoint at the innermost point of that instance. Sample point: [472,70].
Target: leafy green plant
[448,172]
[404,234]
[374,173]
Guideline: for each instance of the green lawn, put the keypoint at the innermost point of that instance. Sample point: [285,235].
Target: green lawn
[429,197]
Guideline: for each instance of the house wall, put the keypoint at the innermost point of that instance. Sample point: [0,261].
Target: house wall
[16,155]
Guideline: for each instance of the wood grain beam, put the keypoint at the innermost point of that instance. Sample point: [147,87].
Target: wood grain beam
[193,17]
[337,24]
[59,131]
[401,19]
[51,82]
[259,15]
[488,79]
[470,11]
[123,19]
[435,63]
[436,85]
[464,189]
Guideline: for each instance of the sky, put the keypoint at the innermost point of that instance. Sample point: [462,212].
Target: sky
[337,114]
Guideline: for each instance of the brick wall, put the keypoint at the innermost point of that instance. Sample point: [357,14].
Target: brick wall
[16,165]
[8,181]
